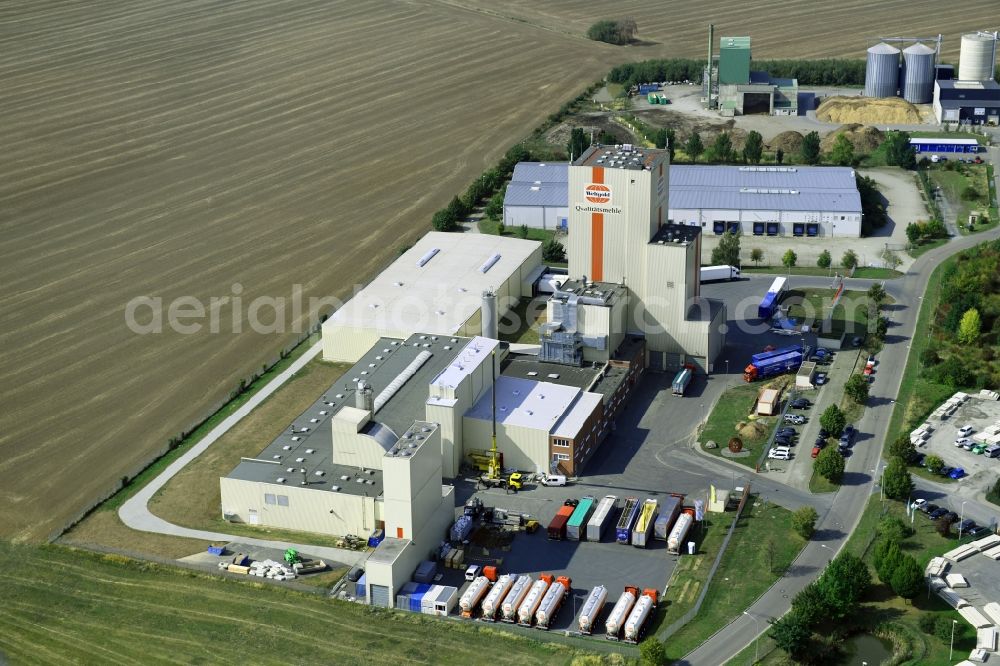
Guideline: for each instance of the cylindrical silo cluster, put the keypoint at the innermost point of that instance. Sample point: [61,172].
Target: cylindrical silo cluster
[882,71]
[977,57]
[916,78]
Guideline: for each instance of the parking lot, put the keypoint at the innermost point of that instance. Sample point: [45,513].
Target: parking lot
[974,412]
[586,563]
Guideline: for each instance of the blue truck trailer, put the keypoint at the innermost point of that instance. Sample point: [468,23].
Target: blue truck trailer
[775,365]
[769,304]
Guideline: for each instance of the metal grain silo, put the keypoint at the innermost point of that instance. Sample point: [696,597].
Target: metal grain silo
[916,78]
[977,56]
[882,71]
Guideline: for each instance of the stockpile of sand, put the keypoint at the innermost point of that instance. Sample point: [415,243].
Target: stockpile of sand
[864,139]
[789,142]
[868,111]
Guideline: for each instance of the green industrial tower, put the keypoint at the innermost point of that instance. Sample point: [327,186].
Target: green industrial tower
[734,60]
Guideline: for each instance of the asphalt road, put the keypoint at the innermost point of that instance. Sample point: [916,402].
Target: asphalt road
[837,523]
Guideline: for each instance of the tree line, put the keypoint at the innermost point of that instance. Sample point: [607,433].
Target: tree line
[825,72]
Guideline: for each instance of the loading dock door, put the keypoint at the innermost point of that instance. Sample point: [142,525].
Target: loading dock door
[379,595]
[758,228]
[798,229]
[812,230]
[734,227]
[719,227]
[772,228]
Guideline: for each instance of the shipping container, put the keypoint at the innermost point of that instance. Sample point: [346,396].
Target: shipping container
[681,381]
[669,511]
[576,528]
[642,533]
[603,516]
[557,528]
[623,531]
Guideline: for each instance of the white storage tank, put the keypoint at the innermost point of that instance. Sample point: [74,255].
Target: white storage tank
[977,58]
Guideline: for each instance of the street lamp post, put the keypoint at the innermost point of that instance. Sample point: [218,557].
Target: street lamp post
[756,639]
[962,519]
[951,648]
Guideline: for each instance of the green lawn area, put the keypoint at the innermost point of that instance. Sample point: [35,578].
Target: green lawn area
[764,544]
[819,484]
[813,305]
[488,226]
[521,323]
[862,272]
[953,183]
[66,605]
[734,406]
[616,89]
[918,250]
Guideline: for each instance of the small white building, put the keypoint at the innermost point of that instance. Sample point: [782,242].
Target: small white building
[536,196]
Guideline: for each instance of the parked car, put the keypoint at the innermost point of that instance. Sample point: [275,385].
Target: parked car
[796,419]
[937,513]
[979,449]
[978,530]
[965,431]
[820,442]
[779,453]
[929,508]
[820,379]
[919,504]
[816,450]
[824,433]
[967,525]
[951,517]
[956,473]
[871,360]
[962,441]
[787,431]
[945,470]
[801,403]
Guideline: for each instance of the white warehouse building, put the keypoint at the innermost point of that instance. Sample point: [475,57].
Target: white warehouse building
[755,200]
[434,287]
[536,196]
[767,200]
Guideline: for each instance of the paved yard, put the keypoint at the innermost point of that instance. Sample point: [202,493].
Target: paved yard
[979,414]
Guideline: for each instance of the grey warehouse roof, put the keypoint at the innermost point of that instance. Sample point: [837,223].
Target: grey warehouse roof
[529,194]
[310,446]
[543,172]
[830,189]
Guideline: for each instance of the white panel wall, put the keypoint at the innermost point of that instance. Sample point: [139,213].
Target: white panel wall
[308,510]
[536,217]
[412,487]
[526,449]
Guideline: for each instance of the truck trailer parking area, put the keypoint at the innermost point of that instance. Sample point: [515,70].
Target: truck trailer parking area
[981,420]
[586,563]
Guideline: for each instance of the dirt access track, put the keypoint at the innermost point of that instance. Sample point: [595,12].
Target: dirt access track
[203,149]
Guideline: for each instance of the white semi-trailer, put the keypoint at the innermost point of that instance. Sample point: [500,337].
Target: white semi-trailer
[641,612]
[592,609]
[511,602]
[712,273]
[473,596]
[675,540]
[616,619]
[552,602]
[526,612]
[491,604]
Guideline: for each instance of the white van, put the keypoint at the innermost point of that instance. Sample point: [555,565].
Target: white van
[554,480]
[472,572]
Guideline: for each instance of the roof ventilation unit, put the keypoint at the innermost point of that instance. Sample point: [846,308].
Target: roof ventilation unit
[427,257]
[494,258]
